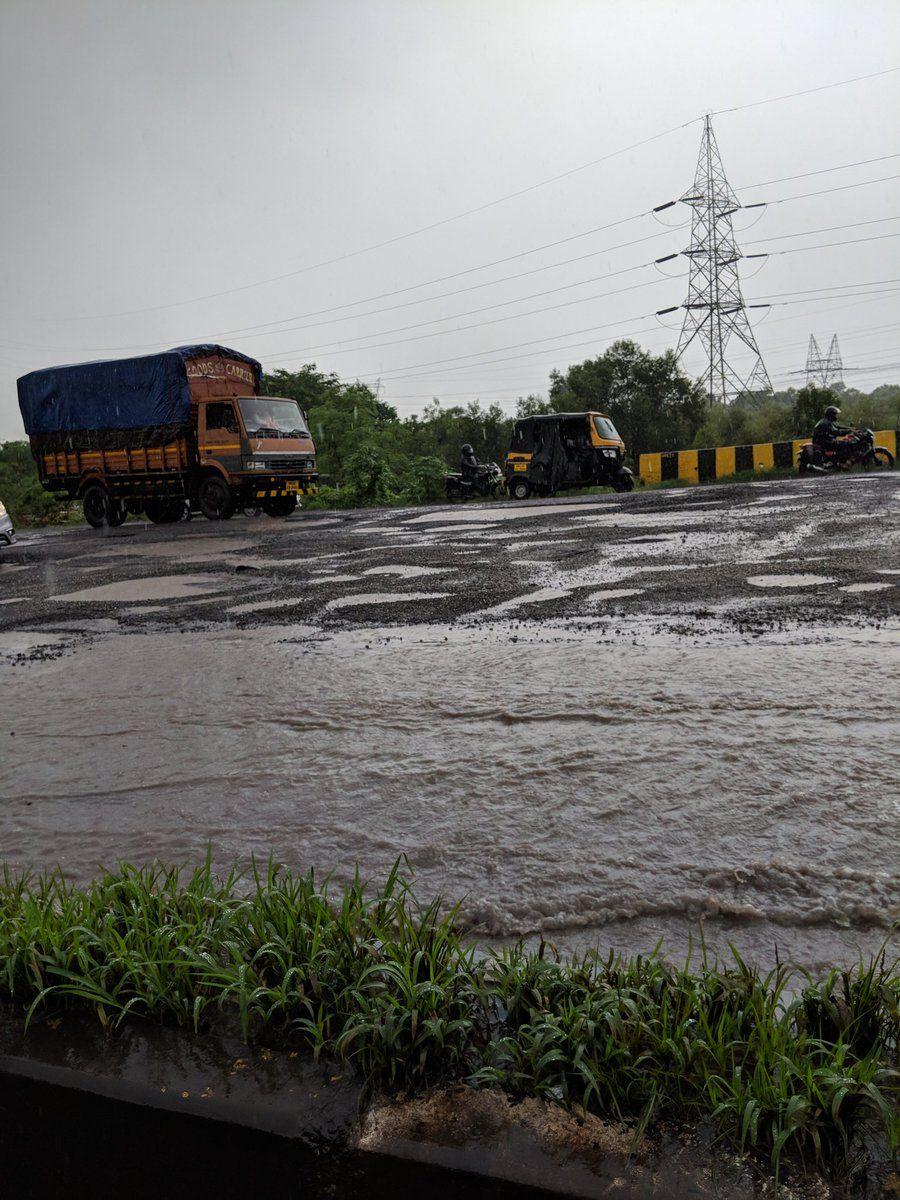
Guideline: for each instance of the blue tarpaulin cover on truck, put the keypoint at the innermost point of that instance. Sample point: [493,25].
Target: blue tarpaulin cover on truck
[122,393]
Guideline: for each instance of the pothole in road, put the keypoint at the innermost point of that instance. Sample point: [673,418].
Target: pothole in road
[613,594]
[24,641]
[407,572]
[160,587]
[203,548]
[261,605]
[787,581]
[536,597]
[334,579]
[363,598]
[866,587]
[501,513]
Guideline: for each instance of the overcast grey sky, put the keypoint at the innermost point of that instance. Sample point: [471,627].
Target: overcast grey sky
[156,155]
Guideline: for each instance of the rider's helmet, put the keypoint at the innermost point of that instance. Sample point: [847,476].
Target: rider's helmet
[467,449]
[832,412]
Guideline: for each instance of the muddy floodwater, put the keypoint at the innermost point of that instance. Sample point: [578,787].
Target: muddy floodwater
[712,749]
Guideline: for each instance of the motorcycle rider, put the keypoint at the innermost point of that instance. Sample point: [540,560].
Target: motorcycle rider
[468,464]
[827,433]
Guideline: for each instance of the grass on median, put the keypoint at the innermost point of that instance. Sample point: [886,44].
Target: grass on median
[390,986]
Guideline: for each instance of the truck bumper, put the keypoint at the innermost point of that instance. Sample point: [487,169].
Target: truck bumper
[270,487]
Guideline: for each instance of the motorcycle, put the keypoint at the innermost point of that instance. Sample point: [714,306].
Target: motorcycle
[855,449]
[488,483]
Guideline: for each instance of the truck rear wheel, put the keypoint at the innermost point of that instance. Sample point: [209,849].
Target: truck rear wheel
[280,506]
[215,498]
[97,506]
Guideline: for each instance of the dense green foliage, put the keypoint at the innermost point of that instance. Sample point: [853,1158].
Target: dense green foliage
[369,455]
[21,491]
[791,414]
[779,1063]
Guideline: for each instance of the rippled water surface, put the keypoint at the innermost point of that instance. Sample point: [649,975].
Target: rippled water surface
[613,791]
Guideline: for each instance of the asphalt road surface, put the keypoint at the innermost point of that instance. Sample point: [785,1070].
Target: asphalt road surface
[607,719]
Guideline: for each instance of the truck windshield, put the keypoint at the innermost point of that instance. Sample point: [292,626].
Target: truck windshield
[272,418]
[606,429]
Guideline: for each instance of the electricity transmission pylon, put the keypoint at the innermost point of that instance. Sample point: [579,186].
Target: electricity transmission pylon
[715,311]
[824,369]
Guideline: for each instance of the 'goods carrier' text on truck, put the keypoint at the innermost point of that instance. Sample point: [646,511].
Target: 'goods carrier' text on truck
[152,434]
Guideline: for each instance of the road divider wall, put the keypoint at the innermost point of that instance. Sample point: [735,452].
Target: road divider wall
[702,466]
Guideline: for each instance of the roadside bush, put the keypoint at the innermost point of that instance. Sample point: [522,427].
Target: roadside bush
[22,493]
[421,480]
[368,476]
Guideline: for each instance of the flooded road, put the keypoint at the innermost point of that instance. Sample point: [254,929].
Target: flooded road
[711,745]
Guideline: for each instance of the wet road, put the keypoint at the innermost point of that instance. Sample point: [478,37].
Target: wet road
[607,720]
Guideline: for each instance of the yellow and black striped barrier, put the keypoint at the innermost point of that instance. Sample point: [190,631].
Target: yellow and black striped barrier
[701,466]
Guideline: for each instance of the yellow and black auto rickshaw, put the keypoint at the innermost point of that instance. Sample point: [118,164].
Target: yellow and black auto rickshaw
[565,450]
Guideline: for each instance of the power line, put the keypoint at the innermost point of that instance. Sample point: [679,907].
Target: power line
[824,229]
[517,345]
[479,324]
[845,187]
[806,92]
[466,212]
[250,329]
[461,291]
[387,308]
[869,283]
[387,241]
[863,162]
[570,333]
[879,237]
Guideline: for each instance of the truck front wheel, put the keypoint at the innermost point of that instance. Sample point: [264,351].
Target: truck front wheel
[164,512]
[280,506]
[215,498]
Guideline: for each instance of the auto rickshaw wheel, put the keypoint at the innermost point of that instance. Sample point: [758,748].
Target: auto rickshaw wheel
[520,489]
[623,483]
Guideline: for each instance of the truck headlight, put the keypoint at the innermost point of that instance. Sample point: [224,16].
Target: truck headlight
[257,464]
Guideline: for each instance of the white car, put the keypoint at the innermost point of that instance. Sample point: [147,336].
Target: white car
[7,533]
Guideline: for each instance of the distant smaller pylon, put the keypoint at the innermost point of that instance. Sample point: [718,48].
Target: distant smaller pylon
[824,369]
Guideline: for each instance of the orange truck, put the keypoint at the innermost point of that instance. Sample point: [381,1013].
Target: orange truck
[158,433]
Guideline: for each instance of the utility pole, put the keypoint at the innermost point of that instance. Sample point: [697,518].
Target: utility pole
[715,311]
[824,369]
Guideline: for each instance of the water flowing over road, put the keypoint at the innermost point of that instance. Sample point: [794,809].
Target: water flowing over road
[605,721]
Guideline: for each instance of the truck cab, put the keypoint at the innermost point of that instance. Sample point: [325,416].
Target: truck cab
[259,448]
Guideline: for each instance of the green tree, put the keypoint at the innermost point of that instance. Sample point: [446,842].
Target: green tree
[653,404]
[341,416]
[809,404]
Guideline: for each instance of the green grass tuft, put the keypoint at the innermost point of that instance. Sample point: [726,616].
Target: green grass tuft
[778,1062]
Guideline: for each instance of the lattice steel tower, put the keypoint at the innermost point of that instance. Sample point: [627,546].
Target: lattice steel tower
[715,311]
[824,369]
